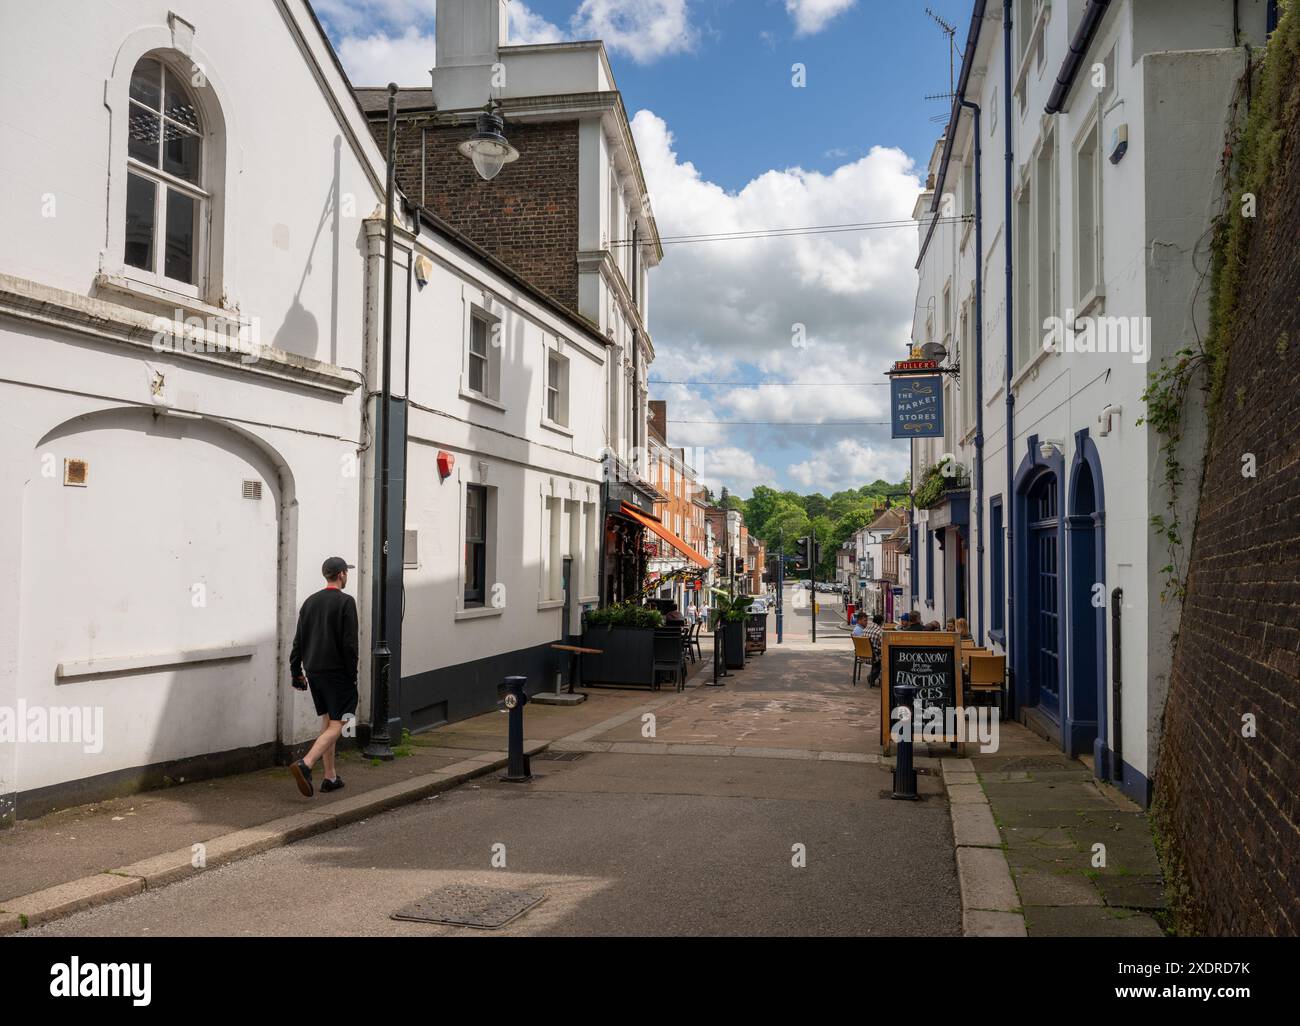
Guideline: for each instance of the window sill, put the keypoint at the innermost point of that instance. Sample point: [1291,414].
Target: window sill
[482,400]
[478,614]
[156,295]
[1030,370]
[550,604]
[558,428]
[1093,303]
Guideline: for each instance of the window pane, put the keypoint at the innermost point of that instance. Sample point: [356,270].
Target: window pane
[181,151]
[144,130]
[478,336]
[179,107]
[181,211]
[140,214]
[477,372]
[146,84]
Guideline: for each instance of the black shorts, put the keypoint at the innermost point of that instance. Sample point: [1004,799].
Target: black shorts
[335,694]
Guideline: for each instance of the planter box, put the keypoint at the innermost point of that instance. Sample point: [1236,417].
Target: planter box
[628,656]
[735,641]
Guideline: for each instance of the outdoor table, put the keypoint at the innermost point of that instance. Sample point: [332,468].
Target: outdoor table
[577,652]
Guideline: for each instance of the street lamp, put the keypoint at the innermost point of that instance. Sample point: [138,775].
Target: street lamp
[490,152]
[488,147]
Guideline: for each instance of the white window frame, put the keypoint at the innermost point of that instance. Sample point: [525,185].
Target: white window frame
[163,181]
[491,500]
[555,357]
[493,328]
[1089,289]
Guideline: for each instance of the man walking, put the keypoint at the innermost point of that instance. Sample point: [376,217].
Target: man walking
[325,645]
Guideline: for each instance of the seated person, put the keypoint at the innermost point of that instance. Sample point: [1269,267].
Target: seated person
[860,626]
[674,617]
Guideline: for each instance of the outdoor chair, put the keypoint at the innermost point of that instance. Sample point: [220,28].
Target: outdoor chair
[862,653]
[693,641]
[987,675]
[670,657]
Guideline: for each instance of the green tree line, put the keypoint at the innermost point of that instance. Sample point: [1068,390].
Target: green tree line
[780,519]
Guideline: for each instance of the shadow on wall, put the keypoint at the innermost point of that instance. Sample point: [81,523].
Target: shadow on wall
[299,332]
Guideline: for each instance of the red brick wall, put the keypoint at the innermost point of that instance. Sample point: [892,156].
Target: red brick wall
[527,216]
[1228,806]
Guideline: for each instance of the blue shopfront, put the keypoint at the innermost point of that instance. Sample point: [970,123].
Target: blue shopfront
[1059,601]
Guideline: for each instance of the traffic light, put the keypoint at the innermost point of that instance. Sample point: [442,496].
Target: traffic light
[802,547]
[740,564]
[817,554]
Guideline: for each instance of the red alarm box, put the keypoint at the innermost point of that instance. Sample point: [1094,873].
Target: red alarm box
[446,464]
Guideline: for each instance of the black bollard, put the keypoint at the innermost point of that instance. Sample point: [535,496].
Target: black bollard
[518,770]
[904,770]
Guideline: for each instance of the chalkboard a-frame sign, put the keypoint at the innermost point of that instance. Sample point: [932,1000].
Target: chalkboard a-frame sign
[930,660]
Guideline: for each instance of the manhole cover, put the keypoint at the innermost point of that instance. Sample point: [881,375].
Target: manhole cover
[558,756]
[484,908]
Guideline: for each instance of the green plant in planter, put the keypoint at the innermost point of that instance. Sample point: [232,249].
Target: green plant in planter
[731,610]
[625,615]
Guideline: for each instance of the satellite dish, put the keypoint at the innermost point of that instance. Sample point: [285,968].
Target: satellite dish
[935,351]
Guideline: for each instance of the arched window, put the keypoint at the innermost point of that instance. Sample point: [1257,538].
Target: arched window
[166,199]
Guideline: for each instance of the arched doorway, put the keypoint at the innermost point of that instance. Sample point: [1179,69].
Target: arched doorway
[1038,603]
[1043,635]
[150,590]
[1085,726]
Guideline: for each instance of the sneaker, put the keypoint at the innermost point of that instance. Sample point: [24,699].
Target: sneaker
[328,785]
[302,775]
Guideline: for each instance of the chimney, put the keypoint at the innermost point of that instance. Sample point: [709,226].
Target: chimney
[468,32]
[659,419]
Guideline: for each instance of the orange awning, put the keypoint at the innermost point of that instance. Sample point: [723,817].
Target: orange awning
[665,534]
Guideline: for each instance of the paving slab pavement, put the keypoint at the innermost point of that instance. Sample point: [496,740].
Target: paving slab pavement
[1080,853]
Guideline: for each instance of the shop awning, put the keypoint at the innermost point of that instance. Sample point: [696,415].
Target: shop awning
[665,534]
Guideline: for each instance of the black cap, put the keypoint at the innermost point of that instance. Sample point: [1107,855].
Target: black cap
[334,566]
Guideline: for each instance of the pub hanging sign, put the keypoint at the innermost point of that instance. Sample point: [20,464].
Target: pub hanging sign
[917,404]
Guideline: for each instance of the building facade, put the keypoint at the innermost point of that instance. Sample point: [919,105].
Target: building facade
[183,307]
[1063,247]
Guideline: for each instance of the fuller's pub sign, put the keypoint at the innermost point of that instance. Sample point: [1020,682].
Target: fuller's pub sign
[917,404]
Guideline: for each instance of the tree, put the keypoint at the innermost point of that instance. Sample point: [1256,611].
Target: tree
[761,505]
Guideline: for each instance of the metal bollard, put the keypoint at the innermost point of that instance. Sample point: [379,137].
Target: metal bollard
[904,769]
[518,770]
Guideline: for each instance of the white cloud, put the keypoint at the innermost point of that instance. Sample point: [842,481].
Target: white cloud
[379,59]
[527,27]
[726,311]
[382,41]
[849,464]
[644,30]
[738,469]
[811,16]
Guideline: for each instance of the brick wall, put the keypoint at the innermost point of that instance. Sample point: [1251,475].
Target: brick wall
[1228,806]
[527,216]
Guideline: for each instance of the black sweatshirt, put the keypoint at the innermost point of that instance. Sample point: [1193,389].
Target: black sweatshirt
[326,638]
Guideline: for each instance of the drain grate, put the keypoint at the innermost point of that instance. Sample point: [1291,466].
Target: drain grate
[558,756]
[484,908]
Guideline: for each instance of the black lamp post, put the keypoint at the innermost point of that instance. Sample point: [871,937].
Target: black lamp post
[490,152]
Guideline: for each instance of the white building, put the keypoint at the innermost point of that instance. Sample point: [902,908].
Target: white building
[168,496]
[1113,183]
[190,315]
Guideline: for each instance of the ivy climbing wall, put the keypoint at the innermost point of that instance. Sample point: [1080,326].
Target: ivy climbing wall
[1228,782]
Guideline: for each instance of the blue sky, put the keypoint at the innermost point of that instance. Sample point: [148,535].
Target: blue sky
[729,142]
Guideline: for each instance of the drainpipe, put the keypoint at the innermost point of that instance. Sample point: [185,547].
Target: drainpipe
[974,108]
[636,350]
[1009,503]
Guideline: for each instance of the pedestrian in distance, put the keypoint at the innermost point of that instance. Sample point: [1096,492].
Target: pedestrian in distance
[323,660]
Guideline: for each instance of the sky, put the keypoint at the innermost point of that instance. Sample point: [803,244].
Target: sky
[753,114]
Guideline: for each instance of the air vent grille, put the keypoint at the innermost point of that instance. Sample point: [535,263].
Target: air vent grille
[253,490]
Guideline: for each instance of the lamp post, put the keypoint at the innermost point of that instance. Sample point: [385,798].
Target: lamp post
[490,152]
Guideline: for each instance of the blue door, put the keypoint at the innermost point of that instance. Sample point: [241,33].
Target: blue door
[1044,613]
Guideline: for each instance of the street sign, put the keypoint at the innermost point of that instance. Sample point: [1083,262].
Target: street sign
[917,405]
